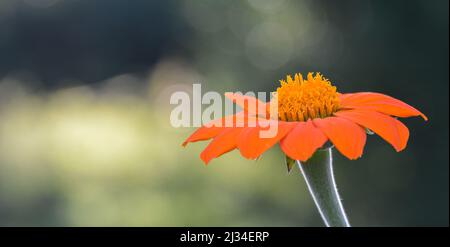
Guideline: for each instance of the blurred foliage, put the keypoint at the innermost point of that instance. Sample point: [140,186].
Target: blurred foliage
[85,137]
[81,157]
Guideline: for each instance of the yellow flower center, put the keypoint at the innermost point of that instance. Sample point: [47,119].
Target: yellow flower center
[300,100]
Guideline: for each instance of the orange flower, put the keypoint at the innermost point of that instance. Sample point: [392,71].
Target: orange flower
[310,113]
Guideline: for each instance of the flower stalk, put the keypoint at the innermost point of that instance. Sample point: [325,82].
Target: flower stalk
[318,174]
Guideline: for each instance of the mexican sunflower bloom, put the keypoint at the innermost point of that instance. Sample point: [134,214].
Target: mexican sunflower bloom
[309,113]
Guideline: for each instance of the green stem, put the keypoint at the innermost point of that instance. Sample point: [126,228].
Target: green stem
[318,174]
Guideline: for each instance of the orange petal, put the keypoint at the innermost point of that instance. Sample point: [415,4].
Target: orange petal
[390,129]
[203,133]
[215,127]
[251,145]
[302,141]
[223,143]
[248,103]
[380,103]
[348,137]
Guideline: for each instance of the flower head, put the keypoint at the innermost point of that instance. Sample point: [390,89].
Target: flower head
[300,100]
[309,112]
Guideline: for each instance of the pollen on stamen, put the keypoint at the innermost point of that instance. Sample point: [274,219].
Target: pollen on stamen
[302,99]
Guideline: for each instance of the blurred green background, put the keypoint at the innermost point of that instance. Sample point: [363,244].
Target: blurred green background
[85,137]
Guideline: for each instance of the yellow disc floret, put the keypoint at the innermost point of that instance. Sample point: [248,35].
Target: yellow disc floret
[300,99]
